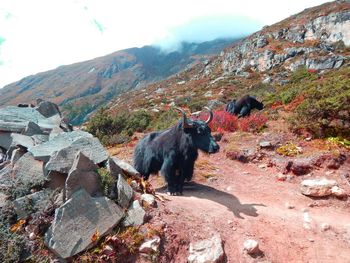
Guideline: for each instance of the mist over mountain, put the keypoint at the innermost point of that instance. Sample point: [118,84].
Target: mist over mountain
[82,87]
[206,29]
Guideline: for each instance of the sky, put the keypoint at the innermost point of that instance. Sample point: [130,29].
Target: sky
[39,35]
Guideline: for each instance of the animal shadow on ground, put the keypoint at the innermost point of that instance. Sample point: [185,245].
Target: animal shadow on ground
[230,201]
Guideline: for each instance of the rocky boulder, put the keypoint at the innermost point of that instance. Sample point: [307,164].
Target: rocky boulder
[83,174]
[320,188]
[77,220]
[205,251]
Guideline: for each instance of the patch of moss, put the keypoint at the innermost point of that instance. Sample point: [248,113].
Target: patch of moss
[289,149]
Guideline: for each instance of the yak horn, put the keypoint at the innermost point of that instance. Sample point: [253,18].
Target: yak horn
[184,118]
[211,115]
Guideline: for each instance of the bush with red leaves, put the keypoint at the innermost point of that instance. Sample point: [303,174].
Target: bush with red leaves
[253,123]
[226,122]
[222,121]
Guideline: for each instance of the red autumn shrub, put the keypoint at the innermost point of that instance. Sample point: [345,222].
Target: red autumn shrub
[222,121]
[226,122]
[254,122]
[312,70]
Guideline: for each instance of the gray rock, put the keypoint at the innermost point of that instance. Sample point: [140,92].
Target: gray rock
[261,42]
[148,200]
[65,125]
[6,179]
[267,80]
[56,180]
[251,246]
[317,187]
[3,200]
[124,192]
[77,220]
[127,168]
[32,129]
[22,140]
[135,215]
[325,227]
[113,168]
[265,144]
[28,170]
[5,140]
[26,205]
[91,146]
[16,155]
[12,126]
[83,175]
[207,251]
[62,160]
[48,109]
[55,131]
[40,138]
[322,63]
[16,119]
[150,246]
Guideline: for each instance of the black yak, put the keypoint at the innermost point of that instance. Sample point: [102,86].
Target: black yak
[243,106]
[174,151]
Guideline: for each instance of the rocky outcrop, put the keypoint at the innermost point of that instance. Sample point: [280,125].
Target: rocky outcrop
[51,168]
[77,220]
[291,45]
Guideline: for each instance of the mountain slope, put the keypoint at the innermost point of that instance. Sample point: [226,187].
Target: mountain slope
[317,38]
[82,87]
[299,66]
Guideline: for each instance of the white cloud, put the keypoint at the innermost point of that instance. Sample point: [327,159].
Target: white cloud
[41,35]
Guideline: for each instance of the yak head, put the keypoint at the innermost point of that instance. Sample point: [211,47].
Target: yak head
[200,132]
[256,104]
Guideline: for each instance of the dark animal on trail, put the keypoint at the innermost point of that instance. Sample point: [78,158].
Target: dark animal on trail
[244,106]
[174,151]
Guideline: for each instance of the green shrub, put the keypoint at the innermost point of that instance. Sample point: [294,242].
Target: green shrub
[288,95]
[138,121]
[325,110]
[107,181]
[101,124]
[302,73]
[12,245]
[118,129]
[197,104]
[165,119]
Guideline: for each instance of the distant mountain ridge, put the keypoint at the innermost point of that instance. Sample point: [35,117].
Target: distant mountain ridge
[317,39]
[81,87]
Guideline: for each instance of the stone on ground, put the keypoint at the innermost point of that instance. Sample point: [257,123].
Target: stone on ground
[127,168]
[207,251]
[135,215]
[124,192]
[251,246]
[317,187]
[77,220]
[83,175]
[28,204]
[28,170]
[62,160]
[148,200]
[150,246]
[65,139]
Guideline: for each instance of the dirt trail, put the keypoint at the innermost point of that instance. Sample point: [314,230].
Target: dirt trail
[243,202]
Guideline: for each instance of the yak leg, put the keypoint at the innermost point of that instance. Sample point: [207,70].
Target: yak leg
[245,111]
[168,171]
[186,173]
[179,182]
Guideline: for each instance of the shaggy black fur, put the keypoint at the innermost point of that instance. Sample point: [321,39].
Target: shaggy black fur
[243,106]
[173,152]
